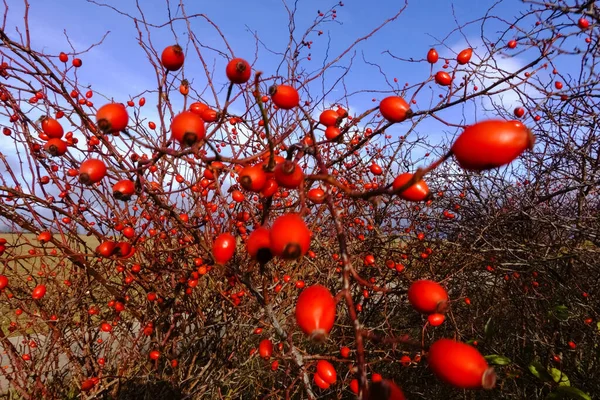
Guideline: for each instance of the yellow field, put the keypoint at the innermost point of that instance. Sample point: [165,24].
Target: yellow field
[19,266]
[23,242]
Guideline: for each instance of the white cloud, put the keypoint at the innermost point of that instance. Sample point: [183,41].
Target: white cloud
[494,69]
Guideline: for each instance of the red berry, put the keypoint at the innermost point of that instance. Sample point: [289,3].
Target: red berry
[428,297]
[460,365]
[583,23]
[315,311]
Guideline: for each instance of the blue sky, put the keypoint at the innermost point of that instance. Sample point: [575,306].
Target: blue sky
[119,68]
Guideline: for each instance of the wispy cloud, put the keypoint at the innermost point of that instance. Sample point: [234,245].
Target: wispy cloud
[495,69]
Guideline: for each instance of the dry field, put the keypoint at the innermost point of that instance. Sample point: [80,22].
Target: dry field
[21,267]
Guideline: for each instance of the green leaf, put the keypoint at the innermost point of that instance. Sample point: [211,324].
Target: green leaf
[561,312]
[538,370]
[560,377]
[497,359]
[563,250]
[554,396]
[588,244]
[598,325]
[573,393]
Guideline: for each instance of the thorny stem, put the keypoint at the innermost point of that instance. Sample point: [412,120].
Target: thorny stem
[265,119]
[347,271]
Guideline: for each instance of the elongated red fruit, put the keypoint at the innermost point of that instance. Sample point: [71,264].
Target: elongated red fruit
[92,171]
[290,237]
[428,297]
[238,70]
[320,382]
[419,191]
[259,245]
[315,311]
[395,109]
[265,348]
[3,282]
[464,56]
[491,144]
[38,292]
[284,96]
[432,56]
[460,365]
[223,248]
[327,371]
